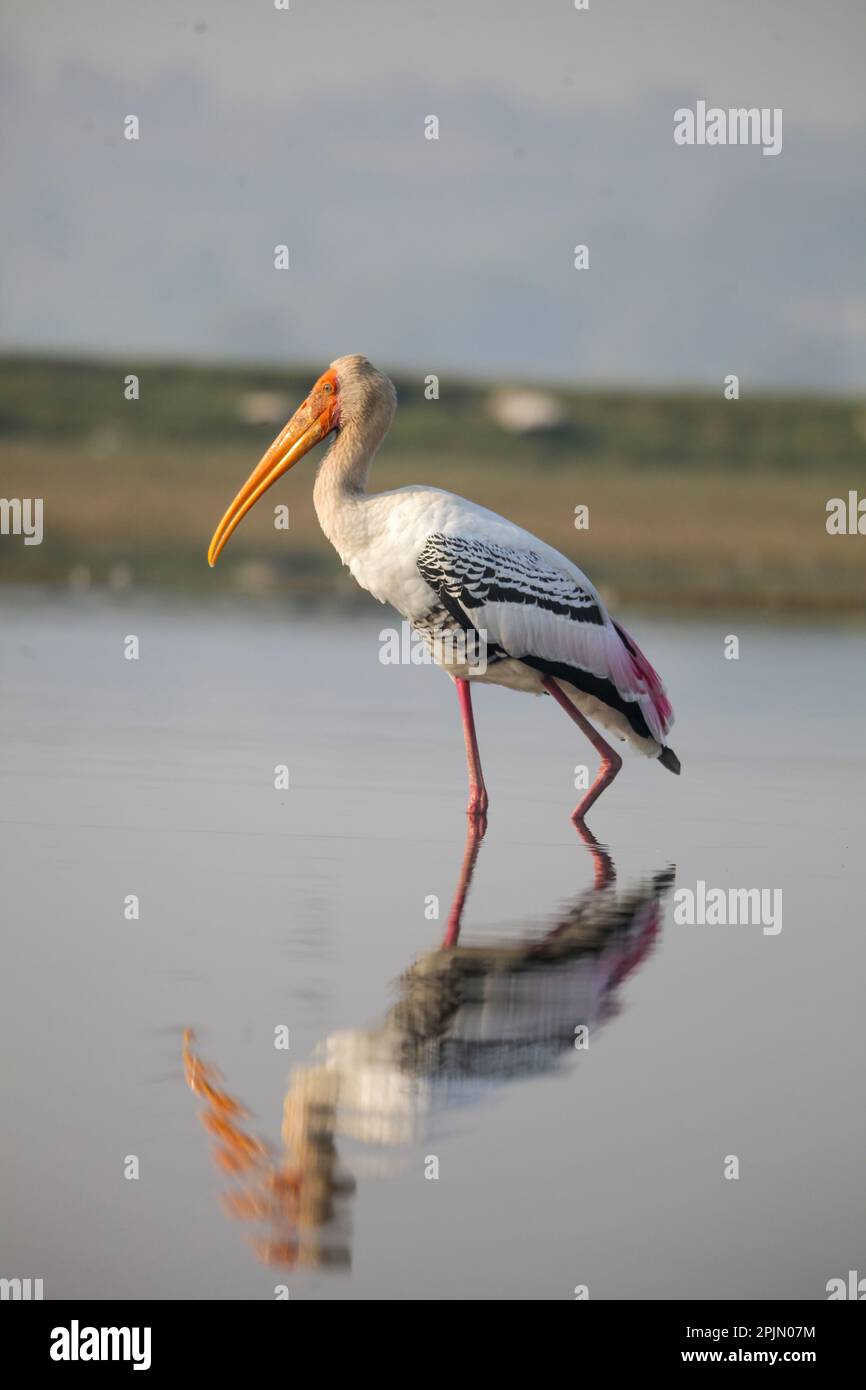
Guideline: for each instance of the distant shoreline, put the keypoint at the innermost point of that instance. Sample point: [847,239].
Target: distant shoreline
[695,504]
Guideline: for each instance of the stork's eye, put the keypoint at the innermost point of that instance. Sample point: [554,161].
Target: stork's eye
[328,388]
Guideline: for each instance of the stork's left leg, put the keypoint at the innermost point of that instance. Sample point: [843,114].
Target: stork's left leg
[611,762]
[478,801]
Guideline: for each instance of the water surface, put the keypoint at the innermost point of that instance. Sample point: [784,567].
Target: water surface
[322,910]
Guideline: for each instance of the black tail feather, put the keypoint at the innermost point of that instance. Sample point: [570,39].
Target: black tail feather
[669,759]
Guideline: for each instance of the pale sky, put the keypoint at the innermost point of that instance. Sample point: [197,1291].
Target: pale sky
[261,127]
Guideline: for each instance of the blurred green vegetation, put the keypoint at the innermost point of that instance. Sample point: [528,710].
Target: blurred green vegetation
[694,500]
[67,400]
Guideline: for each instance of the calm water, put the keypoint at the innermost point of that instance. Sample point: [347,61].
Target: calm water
[314,910]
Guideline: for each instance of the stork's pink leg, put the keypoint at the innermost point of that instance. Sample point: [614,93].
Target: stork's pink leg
[611,762]
[478,801]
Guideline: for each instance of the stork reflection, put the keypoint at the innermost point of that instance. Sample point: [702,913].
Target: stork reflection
[467,1020]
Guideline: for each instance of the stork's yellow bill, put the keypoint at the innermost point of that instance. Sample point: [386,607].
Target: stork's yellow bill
[314,419]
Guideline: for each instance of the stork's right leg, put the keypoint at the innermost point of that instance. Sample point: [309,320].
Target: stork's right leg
[478,800]
[611,762]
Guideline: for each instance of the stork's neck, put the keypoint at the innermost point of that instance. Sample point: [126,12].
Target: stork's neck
[341,482]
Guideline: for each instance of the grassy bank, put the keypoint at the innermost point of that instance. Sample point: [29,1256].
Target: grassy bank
[693,501]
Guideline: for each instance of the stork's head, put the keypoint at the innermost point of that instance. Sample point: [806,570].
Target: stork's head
[350,395]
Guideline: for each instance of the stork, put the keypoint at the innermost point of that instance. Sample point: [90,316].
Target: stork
[492,602]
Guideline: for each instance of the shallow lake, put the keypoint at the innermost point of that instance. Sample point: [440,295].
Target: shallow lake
[551,1100]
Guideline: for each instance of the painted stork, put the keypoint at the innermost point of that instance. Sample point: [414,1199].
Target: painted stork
[492,601]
